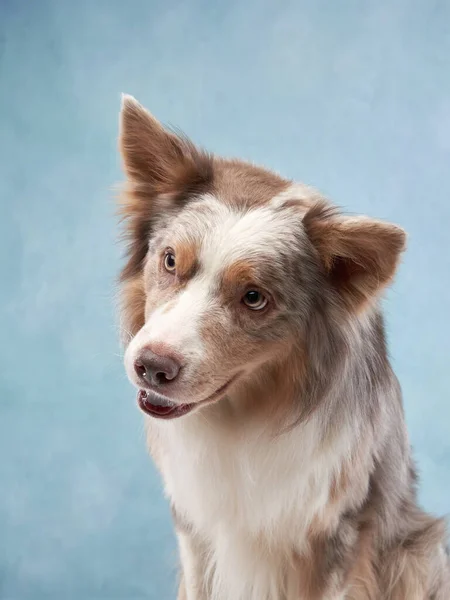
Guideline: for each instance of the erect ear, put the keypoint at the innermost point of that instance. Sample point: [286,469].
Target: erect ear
[164,171]
[154,158]
[360,255]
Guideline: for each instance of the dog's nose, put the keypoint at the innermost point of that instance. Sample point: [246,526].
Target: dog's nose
[155,369]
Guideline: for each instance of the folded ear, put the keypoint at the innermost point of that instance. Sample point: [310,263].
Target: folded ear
[164,171]
[360,255]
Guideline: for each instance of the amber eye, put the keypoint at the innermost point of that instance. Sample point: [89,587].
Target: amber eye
[169,262]
[254,300]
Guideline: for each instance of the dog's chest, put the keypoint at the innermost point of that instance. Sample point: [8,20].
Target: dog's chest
[253,487]
[252,501]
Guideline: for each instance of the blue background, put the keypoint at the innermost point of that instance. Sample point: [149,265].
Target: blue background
[352,97]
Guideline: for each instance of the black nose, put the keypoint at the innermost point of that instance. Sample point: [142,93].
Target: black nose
[154,369]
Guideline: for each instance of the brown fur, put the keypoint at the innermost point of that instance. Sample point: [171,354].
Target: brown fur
[360,256]
[244,185]
[239,273]
[133,306]
[186,260]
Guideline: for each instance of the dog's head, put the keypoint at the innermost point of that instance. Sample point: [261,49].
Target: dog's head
[227,264]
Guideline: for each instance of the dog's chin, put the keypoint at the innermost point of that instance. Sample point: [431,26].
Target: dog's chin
[160,407]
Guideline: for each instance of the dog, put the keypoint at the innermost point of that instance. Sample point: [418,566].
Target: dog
[254,336]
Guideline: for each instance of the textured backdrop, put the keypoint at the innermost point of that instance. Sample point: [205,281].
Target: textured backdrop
[351,97]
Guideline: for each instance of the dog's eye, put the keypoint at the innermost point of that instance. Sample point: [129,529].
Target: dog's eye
[255,300]
[169,262]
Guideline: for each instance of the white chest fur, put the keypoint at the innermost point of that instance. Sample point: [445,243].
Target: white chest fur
[251,498]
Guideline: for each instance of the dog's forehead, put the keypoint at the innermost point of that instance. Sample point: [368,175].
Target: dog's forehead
[224,234]
[248,213]
[246,185]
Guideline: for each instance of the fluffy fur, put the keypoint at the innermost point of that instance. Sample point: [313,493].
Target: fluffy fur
[297,483]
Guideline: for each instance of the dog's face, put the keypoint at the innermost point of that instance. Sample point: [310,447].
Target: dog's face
[217,296]
[227,264]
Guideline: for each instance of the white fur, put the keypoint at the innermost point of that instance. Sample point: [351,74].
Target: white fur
[233,235]
[177,326]
[296,191]
[216,483]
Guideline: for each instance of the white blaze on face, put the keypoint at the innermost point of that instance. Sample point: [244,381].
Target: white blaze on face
[179,325]
[176,324]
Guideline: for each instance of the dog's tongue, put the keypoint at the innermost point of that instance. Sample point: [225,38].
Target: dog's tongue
[155,404]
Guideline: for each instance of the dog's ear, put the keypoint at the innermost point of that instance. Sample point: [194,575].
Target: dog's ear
[155,159]
[145,146]
[360,255]
[164,170]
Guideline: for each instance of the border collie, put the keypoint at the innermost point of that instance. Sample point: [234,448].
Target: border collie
[253,333]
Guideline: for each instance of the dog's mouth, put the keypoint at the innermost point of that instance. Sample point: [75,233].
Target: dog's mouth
[160,407]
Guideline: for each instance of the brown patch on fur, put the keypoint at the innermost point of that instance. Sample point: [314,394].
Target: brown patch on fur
[243,185]
[133,306]
[237,274]
[186,259]
[265,398]
[269,396]
[285,387]
[360,255]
